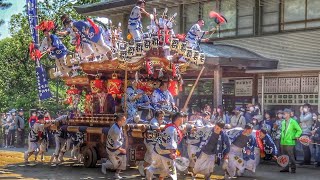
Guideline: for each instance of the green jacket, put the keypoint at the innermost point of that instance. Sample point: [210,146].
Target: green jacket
[289,136]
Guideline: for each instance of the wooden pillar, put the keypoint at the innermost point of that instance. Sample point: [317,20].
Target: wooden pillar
[319,92]
[217,86]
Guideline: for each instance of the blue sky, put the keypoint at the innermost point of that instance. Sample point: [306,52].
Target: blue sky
[17,7]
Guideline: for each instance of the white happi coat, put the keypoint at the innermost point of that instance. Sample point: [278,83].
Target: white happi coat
[194,35]
[158,96]
[33,138]
[115,140]
[196,140]
[162,164]
[134,24]
[150,143]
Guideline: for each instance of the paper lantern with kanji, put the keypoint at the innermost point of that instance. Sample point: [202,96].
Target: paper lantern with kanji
[114,85]
[96,85]
[173,88]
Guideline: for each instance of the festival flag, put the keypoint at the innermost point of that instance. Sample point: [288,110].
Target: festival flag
[43,87]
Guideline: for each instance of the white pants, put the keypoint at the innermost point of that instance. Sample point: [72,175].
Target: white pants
[101,47]
[86,50]
[148,154]
[116,161]
[234,155]
[204,165]
[136,34]
[192,44]
[162,166]
[59,144]
[61,66]
[32,146]
[192,151]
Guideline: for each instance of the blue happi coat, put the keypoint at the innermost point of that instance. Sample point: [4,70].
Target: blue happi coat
[251,144]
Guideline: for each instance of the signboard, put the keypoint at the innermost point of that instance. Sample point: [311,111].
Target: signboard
[243,87]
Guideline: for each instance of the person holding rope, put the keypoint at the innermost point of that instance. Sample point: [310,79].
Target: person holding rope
[116,152]
[290,132]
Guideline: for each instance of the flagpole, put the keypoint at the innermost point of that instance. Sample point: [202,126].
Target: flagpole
[37,37]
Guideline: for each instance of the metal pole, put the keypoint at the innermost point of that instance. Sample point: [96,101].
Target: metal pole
[262,94]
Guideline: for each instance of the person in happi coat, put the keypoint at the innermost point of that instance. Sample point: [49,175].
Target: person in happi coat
[242,146]
[195,35]
[269,147]
[82,44]
[35,138]
[56,48]
[144,105]
[60,137]
[162,99]
[155,124]
[91,36]
[165,150]
[197,137]
[132,101]
[214,151]
[116,152]
[134,23]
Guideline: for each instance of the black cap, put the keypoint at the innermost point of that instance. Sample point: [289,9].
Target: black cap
[21,110]
[221,124]
[264,131]
[176,116]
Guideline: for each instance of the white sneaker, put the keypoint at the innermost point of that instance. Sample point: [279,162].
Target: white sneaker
[117,176]
[103,168]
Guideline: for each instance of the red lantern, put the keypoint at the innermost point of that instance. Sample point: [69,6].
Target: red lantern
[173,88]
[96,85]
[114,85]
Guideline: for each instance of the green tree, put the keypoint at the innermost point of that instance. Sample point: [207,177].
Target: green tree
[18,80]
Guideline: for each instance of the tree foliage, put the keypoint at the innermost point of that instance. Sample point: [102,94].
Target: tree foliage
[17,71]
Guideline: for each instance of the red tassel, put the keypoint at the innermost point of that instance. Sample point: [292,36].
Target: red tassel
[95,27]
[259,142]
